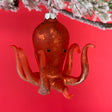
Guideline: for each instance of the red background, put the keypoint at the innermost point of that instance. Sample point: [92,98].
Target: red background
[16,95]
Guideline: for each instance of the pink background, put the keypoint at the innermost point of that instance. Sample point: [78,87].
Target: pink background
[16,95]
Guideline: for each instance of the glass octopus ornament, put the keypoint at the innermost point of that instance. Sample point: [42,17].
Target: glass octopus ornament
[51,40]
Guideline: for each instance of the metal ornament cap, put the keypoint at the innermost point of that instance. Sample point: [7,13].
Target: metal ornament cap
[50,16]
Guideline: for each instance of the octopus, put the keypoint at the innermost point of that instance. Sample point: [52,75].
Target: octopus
[54,59]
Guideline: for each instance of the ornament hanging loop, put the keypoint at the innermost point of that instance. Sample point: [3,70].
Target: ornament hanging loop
[50,14]
[50,6]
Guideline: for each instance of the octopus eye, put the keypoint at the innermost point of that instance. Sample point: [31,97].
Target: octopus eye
[64,50]
[48,50]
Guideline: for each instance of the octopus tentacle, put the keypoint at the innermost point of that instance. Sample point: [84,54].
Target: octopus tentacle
[66,94]
[69,80]
[59,85]
[23,67]
[68,64]
[44,86]
[18,64]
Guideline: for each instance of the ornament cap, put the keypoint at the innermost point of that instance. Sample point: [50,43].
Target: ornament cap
[50,16]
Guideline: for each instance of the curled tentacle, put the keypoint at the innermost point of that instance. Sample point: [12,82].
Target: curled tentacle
[84,63]
[18,63]
[59,85]
[69,80]
[66,94]
[68,64]
[23,67]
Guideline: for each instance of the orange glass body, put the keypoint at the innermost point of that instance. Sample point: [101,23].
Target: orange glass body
[51,40]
